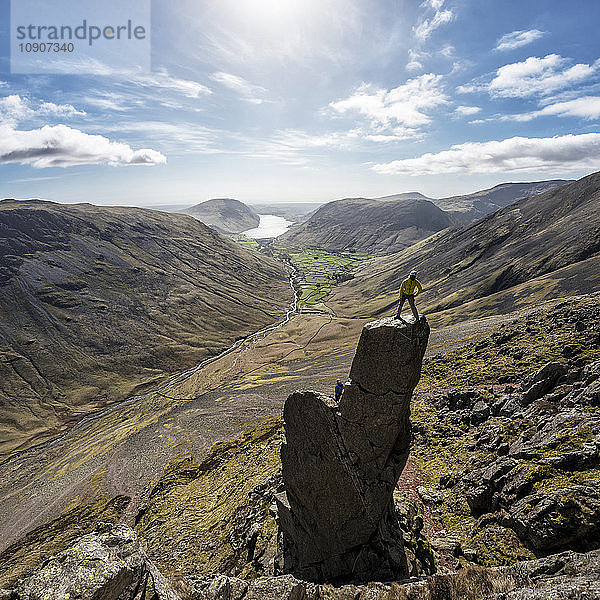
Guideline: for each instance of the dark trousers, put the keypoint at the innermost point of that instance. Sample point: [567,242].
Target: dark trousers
[411,302]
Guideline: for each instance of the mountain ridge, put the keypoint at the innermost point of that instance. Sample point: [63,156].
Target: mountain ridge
[367,225]
[533,237]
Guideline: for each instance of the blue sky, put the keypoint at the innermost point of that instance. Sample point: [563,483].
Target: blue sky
[312,100]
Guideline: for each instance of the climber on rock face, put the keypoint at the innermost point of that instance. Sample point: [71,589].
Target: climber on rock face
[339,388]
[410,288]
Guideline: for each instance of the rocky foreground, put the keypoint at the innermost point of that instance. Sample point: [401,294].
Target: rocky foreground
[505,444]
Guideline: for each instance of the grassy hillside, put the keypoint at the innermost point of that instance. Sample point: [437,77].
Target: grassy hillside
[515,251]
[367,225]
[97,303]
[470,207]
[226,215]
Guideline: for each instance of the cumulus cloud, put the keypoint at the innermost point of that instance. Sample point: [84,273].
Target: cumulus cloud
[465,111]
[513,155]
[404,105]
[538,76]
[250,92]
[63,146]
[516,39]
[14,108]
[587,107]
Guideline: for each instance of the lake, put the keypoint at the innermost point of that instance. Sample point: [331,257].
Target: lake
[270,226]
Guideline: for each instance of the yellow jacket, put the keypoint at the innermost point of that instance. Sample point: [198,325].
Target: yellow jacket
[410,286]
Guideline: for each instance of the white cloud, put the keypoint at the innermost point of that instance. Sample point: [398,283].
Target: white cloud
[108,101]
[538,76]
[427,26]
[59,110]
[14,108]
[62,146]
[516,39]
[464,111]
[252,93]
[587,107]
[404,105]
[513,155]
[434,4]
[470,88]
[448,51]
[414,60]
[162,79]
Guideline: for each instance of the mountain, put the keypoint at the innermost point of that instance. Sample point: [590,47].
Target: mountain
[292,211]
[367,225]
[470,207]
[226,215]
[405,196]
[97,303]
[514,254]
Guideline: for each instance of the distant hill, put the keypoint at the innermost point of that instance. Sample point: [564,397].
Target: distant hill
[538,248]
[97,303]
[405,196]
[470,207]
[226,215]
[292,211]
[367,225]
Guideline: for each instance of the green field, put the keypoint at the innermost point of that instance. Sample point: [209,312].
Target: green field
[319,271]
[244,241]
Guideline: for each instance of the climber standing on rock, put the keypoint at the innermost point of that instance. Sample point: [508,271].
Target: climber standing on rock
[410,288]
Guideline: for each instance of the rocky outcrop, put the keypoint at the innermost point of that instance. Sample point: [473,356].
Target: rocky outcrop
[562,576]
[341,463]
[543,484]
[108,564]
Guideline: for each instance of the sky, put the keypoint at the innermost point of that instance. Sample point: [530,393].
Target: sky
[312,100]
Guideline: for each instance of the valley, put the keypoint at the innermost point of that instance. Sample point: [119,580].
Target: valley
[197,454]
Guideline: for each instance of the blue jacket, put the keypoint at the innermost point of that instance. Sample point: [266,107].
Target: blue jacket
[339,388]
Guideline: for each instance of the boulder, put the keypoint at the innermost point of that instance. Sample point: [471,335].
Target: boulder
[106,565]
[542,381]
[340,463]
[480,413]
[566,518]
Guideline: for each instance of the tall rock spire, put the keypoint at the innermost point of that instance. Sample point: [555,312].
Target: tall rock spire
[342,462]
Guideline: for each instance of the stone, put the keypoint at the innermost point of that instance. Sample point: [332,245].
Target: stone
[568,575]
[566,518]
[480,413]
[340,463]
[542,381]
[108,565]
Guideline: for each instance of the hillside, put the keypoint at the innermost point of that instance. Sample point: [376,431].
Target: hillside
[470,207]
[292,211]
[226,215]
[367,225]
[96,303]
[520,245]
[405,196]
